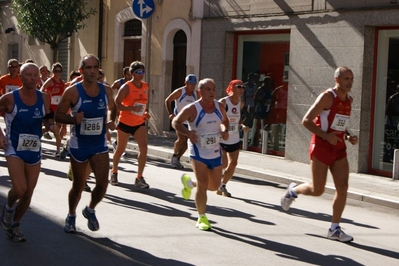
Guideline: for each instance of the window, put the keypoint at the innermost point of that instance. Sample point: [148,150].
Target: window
[13,51]
[386,102]
[132,28]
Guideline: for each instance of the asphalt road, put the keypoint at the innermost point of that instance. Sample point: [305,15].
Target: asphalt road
[157,227]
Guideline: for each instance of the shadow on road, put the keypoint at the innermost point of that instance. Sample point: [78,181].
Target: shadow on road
[48,244]
[294,253]
[379,251]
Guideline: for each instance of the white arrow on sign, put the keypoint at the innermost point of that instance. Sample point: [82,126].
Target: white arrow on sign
[145,9]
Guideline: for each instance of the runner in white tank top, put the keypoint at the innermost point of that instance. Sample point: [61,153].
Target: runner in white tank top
[182,97]
[208,123]
[231,147]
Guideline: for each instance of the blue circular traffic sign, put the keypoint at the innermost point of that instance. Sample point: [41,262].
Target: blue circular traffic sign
[143,8]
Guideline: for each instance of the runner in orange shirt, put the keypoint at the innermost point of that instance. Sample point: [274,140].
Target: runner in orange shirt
[12,80]
[131,101]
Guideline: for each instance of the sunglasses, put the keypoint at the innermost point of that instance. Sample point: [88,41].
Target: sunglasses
[240,86]
[139,72]
[57,71]
[13,66]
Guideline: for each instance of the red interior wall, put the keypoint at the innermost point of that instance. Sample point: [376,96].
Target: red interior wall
[272,60]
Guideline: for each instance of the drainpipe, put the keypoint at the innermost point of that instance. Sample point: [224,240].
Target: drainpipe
[100,29]
[395,172]
[148,58]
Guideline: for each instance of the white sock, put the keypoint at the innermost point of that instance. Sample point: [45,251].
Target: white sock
[334,226]
[293,192]
[190,183]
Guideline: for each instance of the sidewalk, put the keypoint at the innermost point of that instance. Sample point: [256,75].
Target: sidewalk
[368,188]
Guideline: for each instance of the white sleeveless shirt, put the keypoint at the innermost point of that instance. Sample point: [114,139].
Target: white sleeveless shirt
[207,127]
[233,114]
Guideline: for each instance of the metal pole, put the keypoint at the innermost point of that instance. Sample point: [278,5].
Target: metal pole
[148,64]
[245,141]
[148,59]
[265,138]
[395,172]
[100,30]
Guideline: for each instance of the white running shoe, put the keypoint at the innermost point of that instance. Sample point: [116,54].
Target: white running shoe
[6,218]
[287,199]
[114,145]
[223,191]
[339,234]
[174,162]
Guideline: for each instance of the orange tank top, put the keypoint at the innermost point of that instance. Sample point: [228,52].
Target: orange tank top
[136,97]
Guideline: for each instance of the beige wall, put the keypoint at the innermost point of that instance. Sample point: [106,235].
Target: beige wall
[39,52]
[118,12]
[112,68]
[166,20]
[156,51]
[84,41]
[158,47]
[162,18]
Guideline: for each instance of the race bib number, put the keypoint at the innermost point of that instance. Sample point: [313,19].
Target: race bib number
[55,100]
[209,140]
[91,126]
[233,125]
[28,142]
[340,122]
[142,110]
[11,88]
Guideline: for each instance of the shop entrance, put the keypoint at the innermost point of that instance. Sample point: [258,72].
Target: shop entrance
[263,65]
[386,103]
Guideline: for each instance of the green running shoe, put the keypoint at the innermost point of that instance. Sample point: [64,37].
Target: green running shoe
[70,174]
[186,191]
[203,224]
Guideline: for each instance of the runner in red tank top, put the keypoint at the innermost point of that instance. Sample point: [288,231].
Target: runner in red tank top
[55,87]
[328,119]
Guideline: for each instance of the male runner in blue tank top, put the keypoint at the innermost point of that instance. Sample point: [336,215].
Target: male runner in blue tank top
[25,110]
[89,101]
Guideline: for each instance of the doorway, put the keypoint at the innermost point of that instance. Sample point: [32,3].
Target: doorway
[132,51]
[265,57]
[179,62]
[385,128]
[132,43]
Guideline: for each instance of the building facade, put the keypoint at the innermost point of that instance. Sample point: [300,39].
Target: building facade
[321,35]
[298,44]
